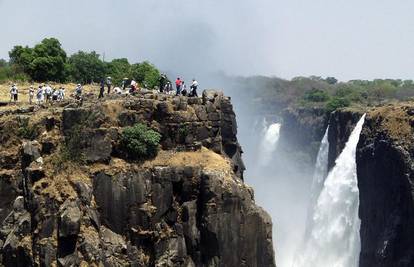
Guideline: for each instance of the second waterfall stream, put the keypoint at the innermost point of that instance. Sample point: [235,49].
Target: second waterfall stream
[333,238]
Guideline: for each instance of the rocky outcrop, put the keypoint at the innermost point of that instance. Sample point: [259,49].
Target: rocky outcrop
[71,196]
[385,177]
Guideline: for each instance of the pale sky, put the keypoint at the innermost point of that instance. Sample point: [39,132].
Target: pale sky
[347,39]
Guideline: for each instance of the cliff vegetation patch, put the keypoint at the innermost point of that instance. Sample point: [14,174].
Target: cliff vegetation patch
[140,142]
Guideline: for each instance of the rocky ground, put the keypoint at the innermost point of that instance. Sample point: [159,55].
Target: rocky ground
[71,197]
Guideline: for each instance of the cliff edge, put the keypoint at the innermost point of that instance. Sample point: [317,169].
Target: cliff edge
[71,197]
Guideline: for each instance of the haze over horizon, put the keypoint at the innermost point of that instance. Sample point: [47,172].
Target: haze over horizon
[345,39]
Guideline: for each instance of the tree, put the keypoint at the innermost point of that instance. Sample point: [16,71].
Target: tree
[145,73]
[118,69]
[331,80]
[86,67]
[3,63]
[45,62]
[316,95]
[21,57]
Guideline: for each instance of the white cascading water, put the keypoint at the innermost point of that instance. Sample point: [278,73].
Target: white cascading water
[319,175]
[269,143]
[334,239]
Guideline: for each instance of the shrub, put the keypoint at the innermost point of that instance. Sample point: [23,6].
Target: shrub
[337,102]
[140,142]
[316,95]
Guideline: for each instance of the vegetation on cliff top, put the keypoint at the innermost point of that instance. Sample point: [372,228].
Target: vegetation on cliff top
[326,93]
[48,61]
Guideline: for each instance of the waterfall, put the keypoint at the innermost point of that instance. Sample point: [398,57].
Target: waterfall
[334,239]
[319,175]
[269,143]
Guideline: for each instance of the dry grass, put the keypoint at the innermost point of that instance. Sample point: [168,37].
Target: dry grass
[204,158]
[394,120]
[24,90]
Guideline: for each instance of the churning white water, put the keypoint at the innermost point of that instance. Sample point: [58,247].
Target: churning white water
[319,175]
[334,239]
[269,143]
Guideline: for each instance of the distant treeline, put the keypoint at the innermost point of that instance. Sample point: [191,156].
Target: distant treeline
[48,61]
[328,92]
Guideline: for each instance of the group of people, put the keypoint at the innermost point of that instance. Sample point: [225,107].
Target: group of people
[180,86]
[133,87]
[44,94]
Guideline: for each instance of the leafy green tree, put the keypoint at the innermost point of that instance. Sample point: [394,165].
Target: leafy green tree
[86,67]
[331,80]
[336,103]
[45,62]
[145,73]
[316,95]
[21,57]
[3,63]
[118,69]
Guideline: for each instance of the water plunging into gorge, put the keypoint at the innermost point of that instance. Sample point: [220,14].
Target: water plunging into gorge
[333,231]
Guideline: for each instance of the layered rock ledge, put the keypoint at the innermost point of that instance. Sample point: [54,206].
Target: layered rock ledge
[188,206]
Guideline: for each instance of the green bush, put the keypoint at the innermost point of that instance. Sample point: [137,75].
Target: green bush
[140,142]
[337,102]
[316,95]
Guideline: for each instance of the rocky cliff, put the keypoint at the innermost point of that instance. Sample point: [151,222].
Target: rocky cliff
[385,169]
[385,180]
[71,197]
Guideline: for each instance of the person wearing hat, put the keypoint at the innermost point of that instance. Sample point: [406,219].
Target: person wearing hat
[61,94]
[40,95]
[124,83]
[14,92]
[109,84]
[78,91]
[31,94]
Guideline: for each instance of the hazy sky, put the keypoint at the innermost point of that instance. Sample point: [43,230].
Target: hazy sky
[344,38]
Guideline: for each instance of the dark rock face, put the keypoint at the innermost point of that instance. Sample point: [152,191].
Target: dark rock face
[385,177]
[187,207]
[341,124]
[301,133]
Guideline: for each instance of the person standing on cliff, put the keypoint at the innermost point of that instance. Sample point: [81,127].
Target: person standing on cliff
[78,92]
[40,95]
[178,85]
[109,84]
[183,88]
[102,88]
[48,92]
[14,92]
[193,91]
[162,81]
[31,94]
